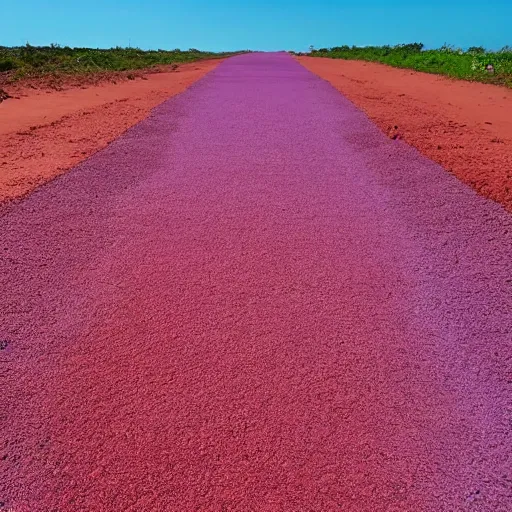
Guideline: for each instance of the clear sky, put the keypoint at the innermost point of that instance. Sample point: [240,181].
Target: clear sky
[256,25]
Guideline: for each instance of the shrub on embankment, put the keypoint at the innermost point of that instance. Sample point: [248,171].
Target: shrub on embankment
[475,63]
[28,60]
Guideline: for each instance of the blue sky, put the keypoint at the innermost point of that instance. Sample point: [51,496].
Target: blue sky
[263,25]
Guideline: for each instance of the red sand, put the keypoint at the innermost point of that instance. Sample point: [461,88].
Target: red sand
[464,126]
[46,132]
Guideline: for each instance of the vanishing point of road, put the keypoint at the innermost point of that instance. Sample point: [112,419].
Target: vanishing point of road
[255,301]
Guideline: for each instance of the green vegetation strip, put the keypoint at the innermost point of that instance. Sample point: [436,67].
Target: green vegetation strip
[475,63]
[26,61]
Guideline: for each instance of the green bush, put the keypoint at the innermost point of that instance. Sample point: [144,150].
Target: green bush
[31,60]
[6,65]
[447,60]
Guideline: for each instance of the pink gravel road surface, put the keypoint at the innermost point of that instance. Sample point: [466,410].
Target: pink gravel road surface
[255,301]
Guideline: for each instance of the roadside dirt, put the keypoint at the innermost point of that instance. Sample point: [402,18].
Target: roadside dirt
[464,126]
[44,132]
[64,81]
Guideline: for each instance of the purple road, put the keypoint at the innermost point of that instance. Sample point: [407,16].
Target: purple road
[255,301]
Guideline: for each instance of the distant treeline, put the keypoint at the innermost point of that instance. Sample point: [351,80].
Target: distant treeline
[31,60]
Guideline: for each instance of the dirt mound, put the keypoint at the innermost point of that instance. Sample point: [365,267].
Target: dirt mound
[4,95]
[65,81]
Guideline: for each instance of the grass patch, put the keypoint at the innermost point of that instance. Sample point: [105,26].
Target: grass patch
[32,61]
[475,63]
